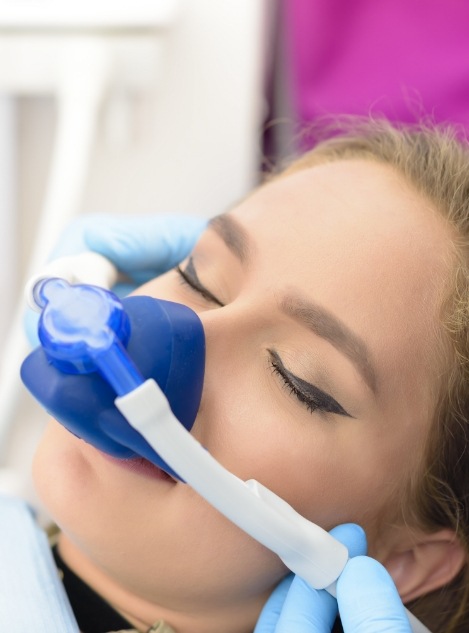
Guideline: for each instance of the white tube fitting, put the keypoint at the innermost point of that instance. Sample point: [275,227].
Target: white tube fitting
[85,268]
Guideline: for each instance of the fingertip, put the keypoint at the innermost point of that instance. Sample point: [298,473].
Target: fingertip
[270,613]
[368,568]
[353,536]
[306,609]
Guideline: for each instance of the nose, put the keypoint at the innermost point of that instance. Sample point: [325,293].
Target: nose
[230,343]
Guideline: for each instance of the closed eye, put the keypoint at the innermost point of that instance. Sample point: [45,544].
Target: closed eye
[309,395]
[189,277]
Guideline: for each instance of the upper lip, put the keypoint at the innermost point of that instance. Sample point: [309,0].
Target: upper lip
[160,467]
[176,480]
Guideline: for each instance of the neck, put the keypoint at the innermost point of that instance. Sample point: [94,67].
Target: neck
[232,617]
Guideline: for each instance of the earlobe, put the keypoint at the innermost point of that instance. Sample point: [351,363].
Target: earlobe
[426,566]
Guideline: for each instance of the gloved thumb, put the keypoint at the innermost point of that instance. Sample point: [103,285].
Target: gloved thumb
[368,599]
[147,245]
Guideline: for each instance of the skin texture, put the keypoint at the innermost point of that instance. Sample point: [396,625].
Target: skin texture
[351,237]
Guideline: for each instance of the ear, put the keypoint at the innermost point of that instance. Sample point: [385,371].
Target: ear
[434,561]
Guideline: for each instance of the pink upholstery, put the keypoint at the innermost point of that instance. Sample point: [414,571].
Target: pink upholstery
[400,58]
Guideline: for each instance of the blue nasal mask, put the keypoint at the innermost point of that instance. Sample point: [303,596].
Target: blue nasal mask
[111,344]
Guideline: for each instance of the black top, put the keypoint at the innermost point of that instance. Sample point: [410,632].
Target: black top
[93,614]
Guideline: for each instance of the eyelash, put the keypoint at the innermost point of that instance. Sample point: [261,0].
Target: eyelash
[320,402]
[188,280]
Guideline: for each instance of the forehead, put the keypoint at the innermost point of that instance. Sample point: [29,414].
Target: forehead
[364,210]
[362,195]
[355,237]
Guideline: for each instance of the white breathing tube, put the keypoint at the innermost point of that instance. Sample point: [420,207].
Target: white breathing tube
[305,548]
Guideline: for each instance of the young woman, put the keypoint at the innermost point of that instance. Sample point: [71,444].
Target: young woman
[334,303]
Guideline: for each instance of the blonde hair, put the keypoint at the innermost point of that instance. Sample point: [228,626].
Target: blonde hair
[435,162]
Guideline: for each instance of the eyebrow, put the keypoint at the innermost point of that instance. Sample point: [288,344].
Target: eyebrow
[329,327]
[315,317]
[233,234]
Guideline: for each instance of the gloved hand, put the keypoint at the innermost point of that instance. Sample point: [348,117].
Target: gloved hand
[366,596]
[141,247]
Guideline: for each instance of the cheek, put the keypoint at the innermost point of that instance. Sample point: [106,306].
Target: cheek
[244,427]
[57,469]
[331,471]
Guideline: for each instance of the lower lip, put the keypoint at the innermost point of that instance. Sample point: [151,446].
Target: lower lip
[140,466]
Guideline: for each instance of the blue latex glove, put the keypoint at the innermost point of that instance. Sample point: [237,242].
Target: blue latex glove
[367,598]
[141,247]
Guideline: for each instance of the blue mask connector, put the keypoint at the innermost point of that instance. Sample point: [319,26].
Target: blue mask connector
[84,329]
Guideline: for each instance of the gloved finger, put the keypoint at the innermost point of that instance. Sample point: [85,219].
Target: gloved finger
[368,599]
[273,607]
[352,536]
[153,242]
[307,610]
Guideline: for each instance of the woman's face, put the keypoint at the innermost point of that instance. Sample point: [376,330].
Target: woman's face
[319,296]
